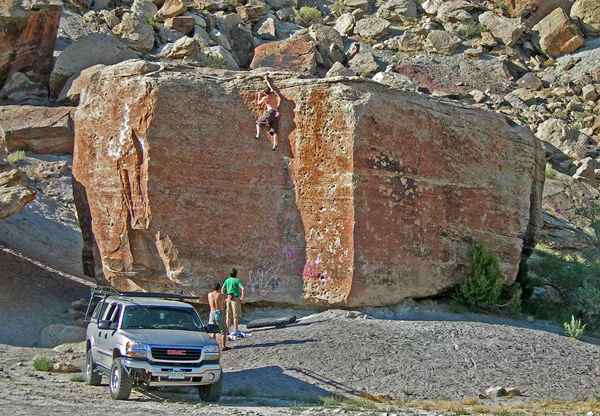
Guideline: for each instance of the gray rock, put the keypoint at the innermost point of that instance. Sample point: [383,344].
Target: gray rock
[219,53]
[57,334]
[20,89]
[281,4]
[167,35]
[478,96]
[588,13]
[90,50]
[395,80]
[589,168]
[372,27]
[409,41]
[240,38]
[398,10]
[441,41]
[589,92]
[530,81]
[363,61]
[362,5]
[267,30]
[330,43]
[509,31]
[135,28]
[344,24]
[339,70]
[447,10]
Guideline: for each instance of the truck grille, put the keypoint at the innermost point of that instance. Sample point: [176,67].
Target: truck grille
[176,354]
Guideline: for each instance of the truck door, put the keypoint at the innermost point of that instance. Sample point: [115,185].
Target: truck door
[103,347]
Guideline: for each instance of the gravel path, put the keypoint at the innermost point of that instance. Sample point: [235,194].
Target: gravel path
[411,360]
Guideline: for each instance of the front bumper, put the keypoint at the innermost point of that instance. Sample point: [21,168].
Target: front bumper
[156,375]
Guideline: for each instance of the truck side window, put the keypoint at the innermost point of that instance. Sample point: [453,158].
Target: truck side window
[99,310]
[116,315]
[109,313]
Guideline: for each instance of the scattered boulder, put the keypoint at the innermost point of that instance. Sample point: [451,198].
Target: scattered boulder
[28,36]
[362,62]
[395,80]
[15,194]
[530,81]
[332,178]
[251,12]
[345,24]
[183,48]
[372,27]
[588,13]
[239,37]
[589,168]
[20,88]
[532,11]
[298,54]
[339,70]
[88,51]
[57,334]
[509,31]
[398,10]
[442,42]
[171,8]
[267,30]
[330,43]
[557,34]
[182,24]
[135,28]
[44,130]
[589,92]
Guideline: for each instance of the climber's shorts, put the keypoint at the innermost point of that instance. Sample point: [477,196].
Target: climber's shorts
[270,119]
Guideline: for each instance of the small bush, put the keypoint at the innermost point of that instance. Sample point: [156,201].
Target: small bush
[14,157]
[42,363]
[77,378]
[213,60]
[575,328]
[307,16]
[549,172]
[469,30]
[338,8]
[483,288]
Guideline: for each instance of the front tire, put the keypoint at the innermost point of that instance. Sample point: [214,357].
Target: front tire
[120,382]
[211,392]
[92,378]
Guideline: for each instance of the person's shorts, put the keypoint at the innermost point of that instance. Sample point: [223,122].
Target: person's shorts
[270,119]
[216,317]
[234,309]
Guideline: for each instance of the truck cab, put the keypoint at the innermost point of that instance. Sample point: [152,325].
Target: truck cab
[151,341]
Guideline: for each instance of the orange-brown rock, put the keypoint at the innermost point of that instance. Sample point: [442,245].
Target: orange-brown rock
[374,195]
[44,130]
[557,34]
[27,38]
[298,54]
[534,10]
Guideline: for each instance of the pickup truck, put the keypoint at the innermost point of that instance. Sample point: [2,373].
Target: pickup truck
[143,341]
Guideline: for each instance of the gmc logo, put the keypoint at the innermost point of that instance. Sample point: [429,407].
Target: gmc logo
[175,352]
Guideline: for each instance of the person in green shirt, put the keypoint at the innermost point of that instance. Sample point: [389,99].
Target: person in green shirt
[234,295]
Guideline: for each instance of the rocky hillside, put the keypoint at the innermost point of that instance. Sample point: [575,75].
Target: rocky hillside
[535,61]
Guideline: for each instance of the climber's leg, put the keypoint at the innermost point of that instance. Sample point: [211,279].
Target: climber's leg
[257,131]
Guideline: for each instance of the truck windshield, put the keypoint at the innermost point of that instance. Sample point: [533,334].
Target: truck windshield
[160,317]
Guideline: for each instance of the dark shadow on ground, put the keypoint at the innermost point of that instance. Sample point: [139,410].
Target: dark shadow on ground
[294,325]
[271,382]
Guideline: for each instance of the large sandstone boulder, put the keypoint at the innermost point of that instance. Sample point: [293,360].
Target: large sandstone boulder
[298,54]
[27,37]
[374,196]
[44,130]
[88,51]
[558,35]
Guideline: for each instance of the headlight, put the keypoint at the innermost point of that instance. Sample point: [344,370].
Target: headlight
[136,349]
[211,349]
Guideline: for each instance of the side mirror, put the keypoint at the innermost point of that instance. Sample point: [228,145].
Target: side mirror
[104,324]
[212,328]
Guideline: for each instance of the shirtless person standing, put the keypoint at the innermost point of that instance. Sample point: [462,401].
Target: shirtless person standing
[216,302]
[270,118]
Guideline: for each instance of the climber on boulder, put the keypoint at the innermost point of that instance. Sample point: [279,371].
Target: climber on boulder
[270,117]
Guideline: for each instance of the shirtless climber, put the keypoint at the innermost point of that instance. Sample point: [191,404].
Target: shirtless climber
[270,118]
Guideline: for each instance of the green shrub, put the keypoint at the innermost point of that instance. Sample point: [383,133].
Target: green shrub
[575,328]
[338,8]
[469,30]
[42,363]
[483,287]
[307,16]
[549,172]
[14,157]
[213,60]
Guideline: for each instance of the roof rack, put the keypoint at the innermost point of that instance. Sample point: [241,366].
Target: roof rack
[106,291]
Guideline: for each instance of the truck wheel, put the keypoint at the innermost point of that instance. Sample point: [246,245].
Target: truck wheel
[120,382]
[212,392]
[92,378]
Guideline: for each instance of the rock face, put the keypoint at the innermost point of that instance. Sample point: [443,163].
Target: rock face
[44,130]
[14,193]
[374,196]
[27,38]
